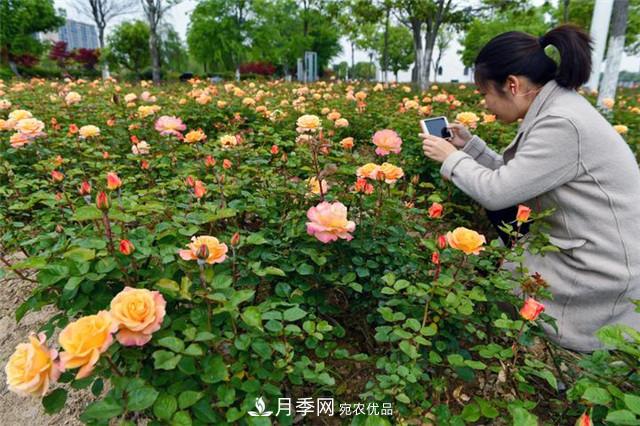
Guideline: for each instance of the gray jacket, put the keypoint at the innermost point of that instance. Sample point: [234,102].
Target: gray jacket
[567,156]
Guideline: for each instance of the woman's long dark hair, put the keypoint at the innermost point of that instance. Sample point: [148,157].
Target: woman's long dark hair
[518,53]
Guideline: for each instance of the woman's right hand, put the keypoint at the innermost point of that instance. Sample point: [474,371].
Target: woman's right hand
[460,135]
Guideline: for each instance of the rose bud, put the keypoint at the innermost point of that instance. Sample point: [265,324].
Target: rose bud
[435,258]
[531,309]
[113,181]
[227,164]
[102,201]
[523,213]
[85,188]
[235,239]
[190,181]
[57,176]
[442,242]
[134,139]
[203,252]
[209,161]
[274,149]
[144,164]
[105,155]
[435,211]
[126,247]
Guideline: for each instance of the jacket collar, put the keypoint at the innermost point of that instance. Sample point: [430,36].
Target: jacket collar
[548,91]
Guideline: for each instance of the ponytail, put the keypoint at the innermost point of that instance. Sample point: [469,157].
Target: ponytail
[518,53]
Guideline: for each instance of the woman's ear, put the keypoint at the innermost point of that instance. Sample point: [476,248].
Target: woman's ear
[513,84]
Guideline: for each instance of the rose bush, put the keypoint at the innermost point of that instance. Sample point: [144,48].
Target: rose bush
[269,253]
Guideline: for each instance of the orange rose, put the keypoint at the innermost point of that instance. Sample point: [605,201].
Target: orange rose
[84,340]
[308,123]
[31,368]
[113,181]
[215,252]
[369,170]
[390,172]
[195,136]
[435,211]
[531,309]
[466,240]
[523,213]
[139,313]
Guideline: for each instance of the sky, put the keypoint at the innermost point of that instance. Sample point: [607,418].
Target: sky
[178,16]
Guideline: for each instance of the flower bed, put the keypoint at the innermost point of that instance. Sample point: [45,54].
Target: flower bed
[217,252]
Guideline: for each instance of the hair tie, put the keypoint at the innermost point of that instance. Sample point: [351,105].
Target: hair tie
[542,41]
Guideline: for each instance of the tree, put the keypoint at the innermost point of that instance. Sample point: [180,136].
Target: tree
[442,44]
[480,31]
[614,51]
[102,12]
[399,49]
[129,45]
[88,58]
[173,52]
[19,20]
[429,15]
[60,55]
[154,11]
[218,33]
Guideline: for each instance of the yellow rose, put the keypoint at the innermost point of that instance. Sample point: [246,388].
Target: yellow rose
[467,240]
[89,131]
[84,340]
[314,186]
[621,128]
[308,123]
[31,368]
[228,141]
[139,313]
[195,136]
[72,98]
[30,126]
[468,119]
[369,170]
[130,97]
[19,114]
[391,173]
[608,103]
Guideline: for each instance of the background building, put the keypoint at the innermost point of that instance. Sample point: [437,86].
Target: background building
[76,34]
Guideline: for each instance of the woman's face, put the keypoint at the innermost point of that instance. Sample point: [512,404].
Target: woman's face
[502,104]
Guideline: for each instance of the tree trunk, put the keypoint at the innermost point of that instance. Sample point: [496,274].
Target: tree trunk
[155,55]
[417,73]
[614,50]
[353,56]
[385,50]
[565,11]
[105,64]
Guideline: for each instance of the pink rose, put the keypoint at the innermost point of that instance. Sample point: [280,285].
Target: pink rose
[328,222]
[387,141]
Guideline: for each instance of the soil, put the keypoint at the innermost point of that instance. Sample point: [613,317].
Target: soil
[16,410]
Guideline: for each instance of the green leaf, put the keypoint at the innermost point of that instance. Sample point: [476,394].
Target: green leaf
[221,281]
[402,397]
[412,323]
[171,342]
[165,360]
[409,349]
[168,287]
[271,270]
[54,401]
[597,395]
[80,255]
[633,402]
[305,269]
[106,265]
[187,398]
[215,370]
[194,350]
[142,398]
[105,409]
[32,262]
[522,417]
[622,417]
[87,213]
[294,314]
[487,409]
[471,412]
[241,296]
[51,274]
[165,406]
[181,418]
[252,317]
[256,239]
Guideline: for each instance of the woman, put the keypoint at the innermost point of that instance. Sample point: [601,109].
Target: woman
[565,156]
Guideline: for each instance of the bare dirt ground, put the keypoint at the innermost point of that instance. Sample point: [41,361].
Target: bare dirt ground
[26,411]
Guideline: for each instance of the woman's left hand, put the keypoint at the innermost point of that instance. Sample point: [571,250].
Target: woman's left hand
[436,148]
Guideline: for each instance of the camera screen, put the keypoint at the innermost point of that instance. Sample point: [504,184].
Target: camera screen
[437,127]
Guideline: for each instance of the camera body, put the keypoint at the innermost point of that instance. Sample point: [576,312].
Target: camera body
[436,126]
